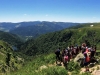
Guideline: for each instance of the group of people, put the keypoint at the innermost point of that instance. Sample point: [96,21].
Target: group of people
[71,52]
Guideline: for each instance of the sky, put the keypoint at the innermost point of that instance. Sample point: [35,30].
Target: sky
[50,10]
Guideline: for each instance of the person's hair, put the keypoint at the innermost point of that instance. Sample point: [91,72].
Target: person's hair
[84,44]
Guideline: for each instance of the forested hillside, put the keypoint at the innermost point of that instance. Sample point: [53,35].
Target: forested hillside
[40,51]
[12,39]
[64,38]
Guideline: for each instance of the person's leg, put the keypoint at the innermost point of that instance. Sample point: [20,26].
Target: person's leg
[56,59]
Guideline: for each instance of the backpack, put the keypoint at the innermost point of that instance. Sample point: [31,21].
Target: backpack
[57,51]
[87,59]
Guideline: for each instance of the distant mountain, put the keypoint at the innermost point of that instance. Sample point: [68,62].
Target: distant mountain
[7,26]
[34,28]
[39,28]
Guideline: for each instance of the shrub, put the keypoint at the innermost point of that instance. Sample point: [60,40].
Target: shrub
[72,66]
[75,72]
[86,73]
[55,70]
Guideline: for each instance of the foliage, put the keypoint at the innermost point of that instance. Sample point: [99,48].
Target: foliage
[8,62]
[12,39]
[86,73]
[41,48]
[53,71]
[35,66]
[75,72]
[72,66]
[64,38]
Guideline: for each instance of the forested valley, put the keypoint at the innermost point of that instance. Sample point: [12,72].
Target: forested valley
[36,55]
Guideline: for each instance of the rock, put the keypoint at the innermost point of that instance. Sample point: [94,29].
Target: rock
[91,64]
[43,67]
[79,56]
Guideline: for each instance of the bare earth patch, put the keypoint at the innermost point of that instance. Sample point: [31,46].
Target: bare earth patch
[94,70]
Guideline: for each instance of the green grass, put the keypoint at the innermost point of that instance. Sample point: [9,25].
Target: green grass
[98,51]
[34,65]
[5,62]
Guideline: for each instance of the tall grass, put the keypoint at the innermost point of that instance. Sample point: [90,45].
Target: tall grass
[44,65]
[33,66]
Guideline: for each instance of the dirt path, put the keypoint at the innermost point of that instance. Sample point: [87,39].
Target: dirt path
[94,70]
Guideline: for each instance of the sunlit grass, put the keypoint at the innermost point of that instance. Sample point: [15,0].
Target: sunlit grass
[33,66]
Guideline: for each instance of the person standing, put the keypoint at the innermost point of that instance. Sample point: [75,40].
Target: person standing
[57,52]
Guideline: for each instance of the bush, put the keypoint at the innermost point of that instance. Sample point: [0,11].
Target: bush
[72,66]
[86,73]
[55,70]
[75,72]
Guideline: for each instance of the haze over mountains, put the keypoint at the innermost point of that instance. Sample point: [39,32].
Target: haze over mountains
[34,28]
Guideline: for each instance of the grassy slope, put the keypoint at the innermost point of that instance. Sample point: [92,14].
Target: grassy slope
[33,67]
[41,65]
[45,65]
[14,62]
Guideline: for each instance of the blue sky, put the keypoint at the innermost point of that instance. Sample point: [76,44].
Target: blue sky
[50,10]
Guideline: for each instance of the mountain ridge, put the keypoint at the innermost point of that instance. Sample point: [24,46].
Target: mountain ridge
[34,29]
